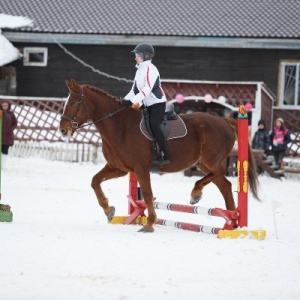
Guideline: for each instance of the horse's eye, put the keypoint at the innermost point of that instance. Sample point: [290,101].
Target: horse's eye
[72,103]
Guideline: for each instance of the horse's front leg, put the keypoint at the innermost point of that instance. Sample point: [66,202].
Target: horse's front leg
[145,185]
[105,174]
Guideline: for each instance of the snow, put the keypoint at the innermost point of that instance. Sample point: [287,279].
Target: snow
[8,52]
[8,21]
[60,247]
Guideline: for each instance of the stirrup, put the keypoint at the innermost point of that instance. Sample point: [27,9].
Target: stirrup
[162,160]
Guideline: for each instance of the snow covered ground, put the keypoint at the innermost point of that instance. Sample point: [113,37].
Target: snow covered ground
[60,247]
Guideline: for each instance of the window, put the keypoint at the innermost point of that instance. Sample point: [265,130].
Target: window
[37,57]
[289,83]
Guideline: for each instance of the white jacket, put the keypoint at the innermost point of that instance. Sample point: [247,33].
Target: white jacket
[146,87]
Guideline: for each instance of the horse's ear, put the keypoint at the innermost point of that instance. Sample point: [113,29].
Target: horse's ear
[68,83]
[73,81]
[71,84]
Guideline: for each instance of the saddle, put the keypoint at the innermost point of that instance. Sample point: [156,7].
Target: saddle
[172,125]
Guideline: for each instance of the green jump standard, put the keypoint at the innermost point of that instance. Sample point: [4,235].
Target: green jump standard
[5,214]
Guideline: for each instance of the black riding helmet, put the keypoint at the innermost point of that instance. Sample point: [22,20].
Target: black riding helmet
[144,51]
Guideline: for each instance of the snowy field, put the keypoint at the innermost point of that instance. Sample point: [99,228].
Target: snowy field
[60,247]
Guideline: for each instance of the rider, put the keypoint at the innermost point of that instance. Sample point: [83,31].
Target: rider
[147,91]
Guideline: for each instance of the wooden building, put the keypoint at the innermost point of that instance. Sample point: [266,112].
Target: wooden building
[245,51]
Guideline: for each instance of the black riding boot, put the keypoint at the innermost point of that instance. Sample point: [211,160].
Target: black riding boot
[156,112]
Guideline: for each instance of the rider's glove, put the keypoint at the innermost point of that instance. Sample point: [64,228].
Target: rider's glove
[127,103]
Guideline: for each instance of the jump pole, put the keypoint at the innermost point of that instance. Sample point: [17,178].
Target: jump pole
[229,216]
[5,214]
[242,188]
[239,218]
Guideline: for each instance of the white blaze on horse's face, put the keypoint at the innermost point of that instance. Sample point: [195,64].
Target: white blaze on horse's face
[68,133]
[66,103]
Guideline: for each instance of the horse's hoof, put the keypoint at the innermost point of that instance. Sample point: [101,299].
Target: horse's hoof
[195,200]
[146,229]
[111,214]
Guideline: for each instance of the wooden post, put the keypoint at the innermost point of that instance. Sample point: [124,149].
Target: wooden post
[243,166]
[133,191]
[5,213]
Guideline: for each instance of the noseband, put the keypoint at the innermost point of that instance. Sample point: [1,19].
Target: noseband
[74,123]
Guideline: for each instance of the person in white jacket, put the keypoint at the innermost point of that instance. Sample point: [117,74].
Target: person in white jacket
[147,91]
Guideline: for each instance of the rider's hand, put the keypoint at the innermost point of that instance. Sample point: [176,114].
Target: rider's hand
[127,103]
[135,105]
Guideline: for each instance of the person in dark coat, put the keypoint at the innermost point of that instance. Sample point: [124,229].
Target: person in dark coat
[261,139]
[9,124]
[280,138]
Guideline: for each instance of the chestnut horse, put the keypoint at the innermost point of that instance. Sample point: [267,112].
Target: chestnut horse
[208,143]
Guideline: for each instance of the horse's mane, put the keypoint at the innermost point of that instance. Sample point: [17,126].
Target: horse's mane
[73,84]
[100,91]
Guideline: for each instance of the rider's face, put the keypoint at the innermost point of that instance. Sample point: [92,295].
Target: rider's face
[138,59]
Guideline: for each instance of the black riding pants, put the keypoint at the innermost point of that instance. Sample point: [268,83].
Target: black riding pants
[156,112]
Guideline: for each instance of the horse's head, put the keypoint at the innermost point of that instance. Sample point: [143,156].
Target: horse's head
[75,111]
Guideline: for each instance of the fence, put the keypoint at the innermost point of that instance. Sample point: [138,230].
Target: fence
[38,120]
[70,152]
[37,132]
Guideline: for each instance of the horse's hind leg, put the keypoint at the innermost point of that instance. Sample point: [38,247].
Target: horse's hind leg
[225,188]
[196,193]
[217,177]
[105,174]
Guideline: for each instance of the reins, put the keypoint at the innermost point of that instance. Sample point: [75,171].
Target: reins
[110,115]
[74,123]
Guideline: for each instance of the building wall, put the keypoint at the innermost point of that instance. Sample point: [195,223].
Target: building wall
[174,63]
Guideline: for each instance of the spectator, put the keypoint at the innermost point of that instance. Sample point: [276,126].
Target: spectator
[280,138]
[9,123]
[261,139]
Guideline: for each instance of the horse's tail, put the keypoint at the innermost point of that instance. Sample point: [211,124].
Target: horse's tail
[252,171]
[252,174]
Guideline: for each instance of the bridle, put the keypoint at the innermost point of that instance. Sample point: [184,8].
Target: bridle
[74,123]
